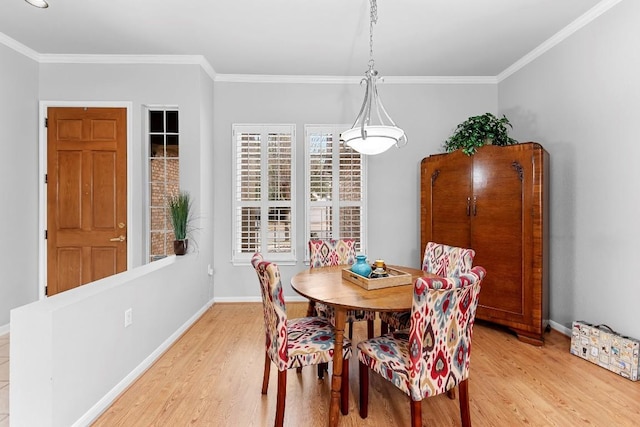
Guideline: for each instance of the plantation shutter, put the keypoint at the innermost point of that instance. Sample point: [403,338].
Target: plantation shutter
[264,187]
[335,191]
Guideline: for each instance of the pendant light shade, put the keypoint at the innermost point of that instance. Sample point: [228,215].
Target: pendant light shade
[373,131]
[378,139]
[42,4]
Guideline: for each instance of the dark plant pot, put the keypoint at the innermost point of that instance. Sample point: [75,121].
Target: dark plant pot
[180,246]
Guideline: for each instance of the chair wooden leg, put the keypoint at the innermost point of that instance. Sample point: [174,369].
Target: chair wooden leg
[267,370]
[416,413]
[465,413]
[282,395]
[369,329]
[321,368]
[344,388]
[451,394]
[364,390]
[351,329]
[384,327]
[311,309]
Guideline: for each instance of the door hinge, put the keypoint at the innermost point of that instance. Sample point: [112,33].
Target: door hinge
[46,234]
[46,178]
[46,291]
[46,122]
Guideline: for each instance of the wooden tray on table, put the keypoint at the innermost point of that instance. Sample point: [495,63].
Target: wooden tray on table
[396,278]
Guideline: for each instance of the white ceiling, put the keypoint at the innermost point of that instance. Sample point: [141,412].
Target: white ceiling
[300,37]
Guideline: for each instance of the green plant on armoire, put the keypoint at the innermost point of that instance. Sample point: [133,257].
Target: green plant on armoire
[477,131]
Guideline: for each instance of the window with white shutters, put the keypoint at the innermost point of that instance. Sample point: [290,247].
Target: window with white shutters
[264,188]
[335,192]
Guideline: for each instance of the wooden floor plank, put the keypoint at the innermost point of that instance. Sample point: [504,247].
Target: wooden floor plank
[212,376]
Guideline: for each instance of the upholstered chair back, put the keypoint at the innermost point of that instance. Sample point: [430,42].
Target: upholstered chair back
[256,259]
[447,261]
[333,252]
[275,312]
[442,317]
[325,253]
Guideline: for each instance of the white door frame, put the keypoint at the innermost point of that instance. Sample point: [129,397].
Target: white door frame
[42,170]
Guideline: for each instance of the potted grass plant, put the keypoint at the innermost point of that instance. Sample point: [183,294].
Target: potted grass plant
[477,131]
[180,214]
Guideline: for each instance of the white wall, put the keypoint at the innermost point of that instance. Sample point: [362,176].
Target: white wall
[581,100]
[427,112]
[19,178]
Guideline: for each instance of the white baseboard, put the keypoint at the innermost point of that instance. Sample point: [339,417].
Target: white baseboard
[4,329]
[104,403]
[560,328]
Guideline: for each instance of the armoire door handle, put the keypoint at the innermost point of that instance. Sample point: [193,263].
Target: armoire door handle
[475,207]
[468,206]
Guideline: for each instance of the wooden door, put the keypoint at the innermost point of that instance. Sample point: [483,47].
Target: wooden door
[86,195]
[446,202]
[497,234]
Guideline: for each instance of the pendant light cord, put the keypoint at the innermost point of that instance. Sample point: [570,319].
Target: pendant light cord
[373,19]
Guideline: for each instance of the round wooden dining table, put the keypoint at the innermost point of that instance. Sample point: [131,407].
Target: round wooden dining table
[326,285]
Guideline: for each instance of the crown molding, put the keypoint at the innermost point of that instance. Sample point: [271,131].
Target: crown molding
[440,80]
[262,78]
[19,47]
[118,59]
[130,59]
[267,78]
[558,37]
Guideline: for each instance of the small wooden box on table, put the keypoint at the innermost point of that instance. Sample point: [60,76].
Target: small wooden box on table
[396,278]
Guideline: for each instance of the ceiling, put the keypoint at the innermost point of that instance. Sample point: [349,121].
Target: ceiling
[300,37]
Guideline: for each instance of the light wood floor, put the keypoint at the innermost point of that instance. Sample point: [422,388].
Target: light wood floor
[212,377]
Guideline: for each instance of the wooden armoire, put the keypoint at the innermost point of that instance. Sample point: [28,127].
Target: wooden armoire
[495,202]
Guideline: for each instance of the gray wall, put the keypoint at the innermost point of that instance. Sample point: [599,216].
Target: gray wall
[581,100]
[179,85]
[427,112]
[24,82]
[204,243]
[19,178]
[71,354]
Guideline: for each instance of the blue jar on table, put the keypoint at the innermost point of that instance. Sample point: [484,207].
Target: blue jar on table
[361,267]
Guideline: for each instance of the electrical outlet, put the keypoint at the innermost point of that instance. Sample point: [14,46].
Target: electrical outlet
[128,317]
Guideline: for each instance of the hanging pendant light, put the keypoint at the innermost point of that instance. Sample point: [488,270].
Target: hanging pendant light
[374,131]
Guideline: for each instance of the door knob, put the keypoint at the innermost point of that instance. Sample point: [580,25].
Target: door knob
[122,225]
[120,238]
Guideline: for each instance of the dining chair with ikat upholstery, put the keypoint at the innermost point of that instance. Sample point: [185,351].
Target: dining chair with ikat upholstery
[293,343]
[327,253]
[440,259]
[433,357]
